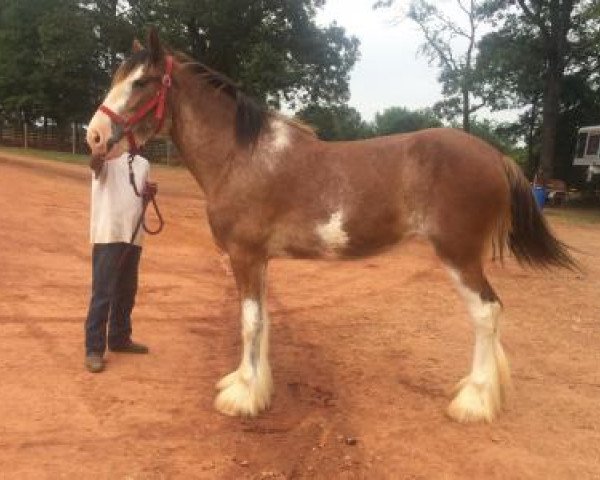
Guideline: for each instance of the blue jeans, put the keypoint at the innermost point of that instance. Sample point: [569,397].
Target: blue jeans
[114,286]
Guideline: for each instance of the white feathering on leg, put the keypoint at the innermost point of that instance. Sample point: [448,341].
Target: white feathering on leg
[481,394]
[247,390]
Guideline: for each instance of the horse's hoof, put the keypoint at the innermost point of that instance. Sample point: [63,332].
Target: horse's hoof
[244,397]
[228,380]
[475,403]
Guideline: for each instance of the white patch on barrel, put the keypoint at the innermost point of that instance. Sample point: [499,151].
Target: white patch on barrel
[332,233]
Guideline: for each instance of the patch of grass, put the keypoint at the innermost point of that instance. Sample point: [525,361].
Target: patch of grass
[47,154]
[581,215]
[64,156]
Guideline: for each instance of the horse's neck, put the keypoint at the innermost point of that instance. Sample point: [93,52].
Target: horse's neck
[203,131]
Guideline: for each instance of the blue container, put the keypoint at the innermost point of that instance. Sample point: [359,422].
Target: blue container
[539,193]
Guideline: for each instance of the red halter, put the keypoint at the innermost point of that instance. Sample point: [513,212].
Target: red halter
[156,103]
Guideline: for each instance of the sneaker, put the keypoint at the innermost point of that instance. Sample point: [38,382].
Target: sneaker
[94,363]
[130,347]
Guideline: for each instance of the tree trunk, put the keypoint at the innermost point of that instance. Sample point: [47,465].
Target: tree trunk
[556,46]
[466,111]
[550,118]
[531,167]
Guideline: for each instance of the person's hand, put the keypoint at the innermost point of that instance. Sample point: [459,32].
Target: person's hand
[96,164]
[149,191]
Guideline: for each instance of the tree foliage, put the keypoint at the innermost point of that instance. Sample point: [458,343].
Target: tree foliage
[336,122]
[541,57]
[402,120]
[21,78]
[273,47]
[451,44]
[340,122]
[537,45]
[57,56]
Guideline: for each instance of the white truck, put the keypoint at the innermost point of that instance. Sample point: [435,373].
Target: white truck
[587,152]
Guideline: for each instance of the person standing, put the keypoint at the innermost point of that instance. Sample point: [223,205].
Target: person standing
[115,211]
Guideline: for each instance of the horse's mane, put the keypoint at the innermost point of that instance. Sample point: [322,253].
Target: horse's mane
[251,116]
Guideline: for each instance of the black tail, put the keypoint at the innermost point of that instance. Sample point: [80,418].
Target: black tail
[529,237]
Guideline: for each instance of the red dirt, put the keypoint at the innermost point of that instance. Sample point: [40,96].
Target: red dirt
[368,349]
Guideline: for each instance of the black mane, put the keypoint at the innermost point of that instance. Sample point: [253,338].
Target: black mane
[250,115]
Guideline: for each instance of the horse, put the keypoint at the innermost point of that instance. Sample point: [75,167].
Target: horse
[274,190]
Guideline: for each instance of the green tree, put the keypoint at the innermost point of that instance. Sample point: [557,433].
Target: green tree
[502,136]
[402,120]
[66,62]
[113,34]
[48,71]
[21,79]
[274,48]
[556,30]
[57,56]
[510,75]
[444,39]
[336,122]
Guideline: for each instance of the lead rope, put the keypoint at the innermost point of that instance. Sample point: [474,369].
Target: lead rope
[142,220]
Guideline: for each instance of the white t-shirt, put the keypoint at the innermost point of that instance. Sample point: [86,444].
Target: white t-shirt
[115,209]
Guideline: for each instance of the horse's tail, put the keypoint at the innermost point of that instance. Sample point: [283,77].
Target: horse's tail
[526,233]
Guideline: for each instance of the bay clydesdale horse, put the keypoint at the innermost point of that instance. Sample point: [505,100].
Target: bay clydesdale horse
[274,190]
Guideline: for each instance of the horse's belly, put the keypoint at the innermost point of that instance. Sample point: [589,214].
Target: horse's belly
[371,238]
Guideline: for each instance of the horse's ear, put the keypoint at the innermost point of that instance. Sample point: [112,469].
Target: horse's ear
[136,46]
[156,51]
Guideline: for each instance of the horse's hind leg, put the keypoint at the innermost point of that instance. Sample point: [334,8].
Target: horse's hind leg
[247,390]
[481,394]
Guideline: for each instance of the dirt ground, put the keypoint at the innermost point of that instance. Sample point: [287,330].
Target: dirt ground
[367,349]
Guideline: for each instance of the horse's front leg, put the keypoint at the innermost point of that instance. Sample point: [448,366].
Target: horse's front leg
[247,390]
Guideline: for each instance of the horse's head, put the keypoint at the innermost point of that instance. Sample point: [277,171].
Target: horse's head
[135,107]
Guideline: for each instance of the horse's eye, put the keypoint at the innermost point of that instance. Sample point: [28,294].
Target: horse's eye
[141,83]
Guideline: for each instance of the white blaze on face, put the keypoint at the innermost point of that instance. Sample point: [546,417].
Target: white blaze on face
[332,233]
[120,93]
[116,100]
